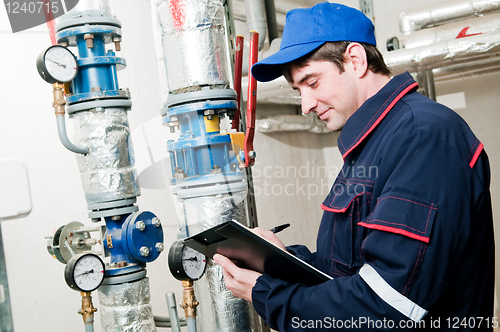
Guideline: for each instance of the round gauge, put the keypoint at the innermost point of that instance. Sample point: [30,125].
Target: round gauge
[84,272]
[57,64]
[185,263]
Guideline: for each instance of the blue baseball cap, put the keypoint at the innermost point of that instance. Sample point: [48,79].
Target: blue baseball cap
[306,29]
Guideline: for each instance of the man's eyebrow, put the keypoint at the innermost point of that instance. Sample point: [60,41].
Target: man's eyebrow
[305,78]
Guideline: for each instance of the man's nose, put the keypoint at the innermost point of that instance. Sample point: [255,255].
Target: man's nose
[308,103]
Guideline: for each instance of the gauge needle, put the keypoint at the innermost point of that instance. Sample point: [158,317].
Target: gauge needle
[57,63]
[191,259]
[88,272]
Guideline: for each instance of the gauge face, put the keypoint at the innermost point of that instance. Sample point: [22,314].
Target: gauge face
[57,64]
[186,263]
[193,263]
[84,272]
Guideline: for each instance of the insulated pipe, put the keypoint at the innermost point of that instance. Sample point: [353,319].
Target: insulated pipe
[445,12]
[445,53]
[256,19]
[468,69]
[456,30]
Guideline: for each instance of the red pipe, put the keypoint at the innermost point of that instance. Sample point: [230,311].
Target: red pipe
[251,100]
[238,64]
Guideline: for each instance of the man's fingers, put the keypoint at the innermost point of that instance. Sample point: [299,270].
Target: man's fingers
[226,264]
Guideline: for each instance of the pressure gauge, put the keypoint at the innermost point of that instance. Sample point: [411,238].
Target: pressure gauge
[57,64]
[84,272]
[185,263]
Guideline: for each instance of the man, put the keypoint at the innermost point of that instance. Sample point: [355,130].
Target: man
[407,231]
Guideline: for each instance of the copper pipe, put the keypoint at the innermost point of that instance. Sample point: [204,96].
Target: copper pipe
[87,310]
[59,102]
[189,302]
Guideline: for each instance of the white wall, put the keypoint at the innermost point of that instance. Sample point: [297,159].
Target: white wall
[41,301]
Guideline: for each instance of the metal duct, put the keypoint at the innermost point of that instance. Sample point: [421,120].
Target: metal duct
[445,12]
[107,172]
[126,307]
[445,53]
[456,30]
[200,56]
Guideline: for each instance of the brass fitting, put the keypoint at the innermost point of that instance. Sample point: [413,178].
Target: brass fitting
[189,302]
[88,309]
[59,102]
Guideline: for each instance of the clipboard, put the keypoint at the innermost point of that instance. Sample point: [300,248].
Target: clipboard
[251,251]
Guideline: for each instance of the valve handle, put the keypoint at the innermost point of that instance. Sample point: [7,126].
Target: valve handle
[251,100]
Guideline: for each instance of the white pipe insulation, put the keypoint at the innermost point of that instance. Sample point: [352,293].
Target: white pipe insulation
[445,12]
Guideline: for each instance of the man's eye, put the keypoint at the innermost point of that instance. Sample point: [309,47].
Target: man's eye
[313,84]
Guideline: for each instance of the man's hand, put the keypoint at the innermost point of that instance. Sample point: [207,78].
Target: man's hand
[268,235]
[239,281]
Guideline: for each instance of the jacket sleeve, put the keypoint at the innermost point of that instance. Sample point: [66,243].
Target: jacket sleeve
[416,234]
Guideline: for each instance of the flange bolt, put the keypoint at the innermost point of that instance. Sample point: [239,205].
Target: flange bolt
[144,251]
[156,221]
[140,225]
[160,247]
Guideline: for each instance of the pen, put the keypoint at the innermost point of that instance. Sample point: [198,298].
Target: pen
[279,228]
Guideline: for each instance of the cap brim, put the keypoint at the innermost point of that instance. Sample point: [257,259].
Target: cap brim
[269,69]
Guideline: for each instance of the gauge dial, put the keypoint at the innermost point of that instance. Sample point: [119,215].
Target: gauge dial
[186,263]
[57,64]
[84,272]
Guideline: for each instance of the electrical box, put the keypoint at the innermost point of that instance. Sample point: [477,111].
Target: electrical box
[15,197]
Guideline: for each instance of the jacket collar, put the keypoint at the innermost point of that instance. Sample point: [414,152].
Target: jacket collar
[369,115]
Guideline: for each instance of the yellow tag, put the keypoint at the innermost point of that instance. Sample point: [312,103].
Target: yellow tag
[212,125]
[238,144]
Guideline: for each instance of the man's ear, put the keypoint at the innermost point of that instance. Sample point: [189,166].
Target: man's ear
[356,53]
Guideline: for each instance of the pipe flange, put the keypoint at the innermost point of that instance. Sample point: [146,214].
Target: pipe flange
[129,276]
[93,17]
[203,94]
[106,103]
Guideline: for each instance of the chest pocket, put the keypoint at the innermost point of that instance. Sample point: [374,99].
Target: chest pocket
[348,203]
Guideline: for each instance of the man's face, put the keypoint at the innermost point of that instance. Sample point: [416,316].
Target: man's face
[332,95]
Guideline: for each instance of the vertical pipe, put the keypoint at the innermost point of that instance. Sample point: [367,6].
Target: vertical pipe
[272,24]
[172,307]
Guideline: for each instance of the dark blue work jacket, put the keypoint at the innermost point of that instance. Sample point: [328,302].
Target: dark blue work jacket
[407,230]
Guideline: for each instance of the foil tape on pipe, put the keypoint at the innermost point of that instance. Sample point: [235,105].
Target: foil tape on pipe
[194,44]
[201,213]
[107,172]
[125,307]
[219,308]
